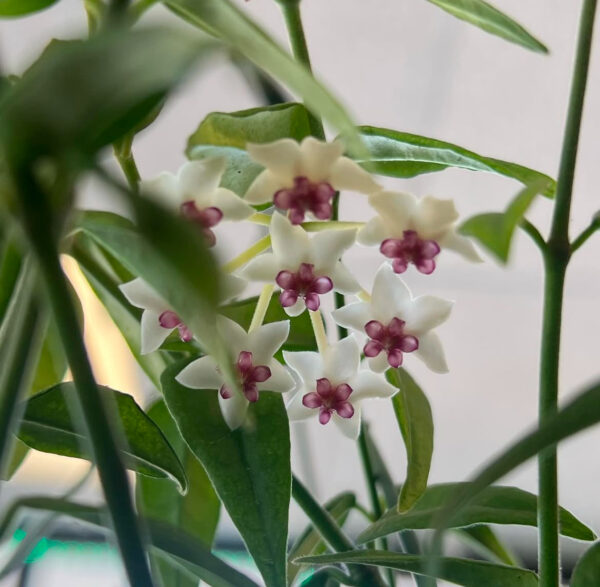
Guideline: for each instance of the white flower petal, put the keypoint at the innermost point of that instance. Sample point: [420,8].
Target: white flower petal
[368,385]
[280,381]
[198,180]
[347,175]
[141,295]
[282,158]
[296,309]
[164,189]
[266,340]
[430,351]
[153,334]
[350,427]
[263,188]
[372,233]
[235,336]
[201,374]
[329,245]
[390,294]
[262,268]
[341,360]
[232,206]
[396,210]
[234,410]
[434,216]
[343,280]
[290,243]
[297,410]
[379,363]
[231,286]
[318,157]
[308,365]
[425,313]
[461,245]
[353,316]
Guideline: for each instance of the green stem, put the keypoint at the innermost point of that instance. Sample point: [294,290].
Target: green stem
[585,235]
[130,170]
[556,259]
[258,247]
[262,305]
[534,233]
[316,320]
[38,225]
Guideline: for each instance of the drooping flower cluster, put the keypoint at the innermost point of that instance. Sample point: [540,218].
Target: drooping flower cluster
[300,180]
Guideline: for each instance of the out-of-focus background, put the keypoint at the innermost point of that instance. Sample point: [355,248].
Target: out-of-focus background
[406,65]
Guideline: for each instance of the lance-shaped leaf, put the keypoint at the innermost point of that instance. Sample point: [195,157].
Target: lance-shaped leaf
[249,467]
[490,19]
[587,570]
[485,541]
[495,230]
[401,154]
[11,8]
[413,413]
[494,505]
[47,426]
[469,573]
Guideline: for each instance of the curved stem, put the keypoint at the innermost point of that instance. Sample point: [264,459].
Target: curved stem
[319,329]
[258,247]
[262,305]
[585,235]
[534,233]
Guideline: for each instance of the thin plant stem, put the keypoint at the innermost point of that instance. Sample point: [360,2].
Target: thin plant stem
[262,305]
[319,329]
[534,233]
[555,263]
[258,247]
[130,170]
[585,235]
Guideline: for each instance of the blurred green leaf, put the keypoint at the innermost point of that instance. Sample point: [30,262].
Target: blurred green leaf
[469,573]
[10,265]
[587,570]
[249,467]
[494,230]
[490,19]
[196,512]
[483,539]
[10,8]
[413,413]
[310,541]
[47,426]
[400,154]
[494,505]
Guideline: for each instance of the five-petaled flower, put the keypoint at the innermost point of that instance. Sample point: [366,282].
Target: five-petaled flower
[333,387]
[256,368]
[410,230]
[195,194]
[303,177]
[303,267]
[395,323]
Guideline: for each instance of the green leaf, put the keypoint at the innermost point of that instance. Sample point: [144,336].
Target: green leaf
[310,541]
[494,505]
[413,413]
[221,18]
[400,154]
[10,265]
[494,230]
[23,7]
[483,539]
[249,467]
[490,19]
[47,426]
[587,570]
[196,512]
[469,573]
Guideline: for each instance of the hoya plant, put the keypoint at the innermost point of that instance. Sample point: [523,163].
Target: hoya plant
[232,371]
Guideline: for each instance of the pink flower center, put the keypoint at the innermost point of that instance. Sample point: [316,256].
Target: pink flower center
[249,375]
[329,399]
[206,218]
[171,320]
[305,196]
[410,249]
[302,284]
[391,339]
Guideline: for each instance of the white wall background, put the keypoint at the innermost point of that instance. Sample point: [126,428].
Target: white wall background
[406,65]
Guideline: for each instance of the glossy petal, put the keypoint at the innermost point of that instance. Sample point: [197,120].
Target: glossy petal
[343,280]
[353,315]
[263,188]
[372,233]
[282,158]
[266,340]
[290,243]
[395,208]
[307,364]
[329,245]
[234,410]
[198,180]
[430,351]
[232,206]
[164,188]
[434,216]
[296,410]
[296,309]
[345,174]
[141,295]
[231,286]
[379,363]
[425,313]
[350,427]
[280,381]
[234,334]
[390,295]
[153,334]
[461,245]
[318,157]
[341,360]
[265,267]
[368,385]
[201,374]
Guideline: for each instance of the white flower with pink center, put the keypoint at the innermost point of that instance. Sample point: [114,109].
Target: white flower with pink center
[159,319]
[256,368]
[195,194]
[303,177]
[303,267]
[395,323]
[333,387]
[414,231]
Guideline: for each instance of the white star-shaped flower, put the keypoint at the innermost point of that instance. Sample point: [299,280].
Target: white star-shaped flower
[159,319]
[332,386]
[256,368]
[411,230]
[396,323]
[195,193]
[303,267]
[303,177]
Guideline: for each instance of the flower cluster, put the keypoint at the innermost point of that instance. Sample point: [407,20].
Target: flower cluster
[300,180]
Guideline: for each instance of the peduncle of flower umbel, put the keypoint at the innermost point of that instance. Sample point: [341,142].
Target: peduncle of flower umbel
[414,231]
[302,178]
[395,323]
[195,194]
[303,267]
